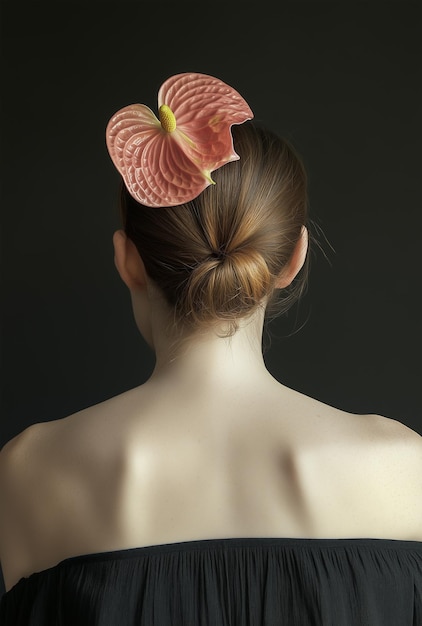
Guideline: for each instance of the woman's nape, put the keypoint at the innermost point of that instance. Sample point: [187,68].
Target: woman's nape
[203,356]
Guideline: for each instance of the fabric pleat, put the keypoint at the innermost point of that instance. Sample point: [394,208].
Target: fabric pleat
[228,582]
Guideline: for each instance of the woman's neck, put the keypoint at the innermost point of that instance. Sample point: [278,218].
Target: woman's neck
[208,361]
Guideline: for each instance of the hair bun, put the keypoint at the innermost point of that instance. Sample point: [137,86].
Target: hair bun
[226,284]
[219,255]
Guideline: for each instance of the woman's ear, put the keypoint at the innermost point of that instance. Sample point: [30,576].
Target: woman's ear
[128,262]
[296,262]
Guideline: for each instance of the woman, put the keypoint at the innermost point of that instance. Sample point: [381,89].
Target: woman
[211,494]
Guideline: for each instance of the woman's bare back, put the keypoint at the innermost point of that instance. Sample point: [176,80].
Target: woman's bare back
[136,470]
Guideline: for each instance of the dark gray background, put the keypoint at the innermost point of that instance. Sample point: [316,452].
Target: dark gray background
[342,81]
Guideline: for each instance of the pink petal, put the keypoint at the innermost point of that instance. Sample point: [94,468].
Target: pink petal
[155,169]
[205,109]
[162,175]
[131,125]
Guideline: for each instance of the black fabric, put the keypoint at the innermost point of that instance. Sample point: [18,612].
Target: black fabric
[228,582]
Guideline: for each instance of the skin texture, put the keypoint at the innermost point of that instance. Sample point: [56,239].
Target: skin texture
[211,446]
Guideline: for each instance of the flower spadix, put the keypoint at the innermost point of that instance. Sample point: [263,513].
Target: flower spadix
[168,160]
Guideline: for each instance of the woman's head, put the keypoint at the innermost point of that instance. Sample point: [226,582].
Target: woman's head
[222,255]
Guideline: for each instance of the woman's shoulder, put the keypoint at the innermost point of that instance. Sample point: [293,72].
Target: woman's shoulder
[362,472]
[47,469]
[404,457]
[80,449]
[392,474]
[53,439]
[399,441]
[403,446]
[17,476]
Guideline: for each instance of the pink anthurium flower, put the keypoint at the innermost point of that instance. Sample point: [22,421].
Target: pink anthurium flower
[168,160]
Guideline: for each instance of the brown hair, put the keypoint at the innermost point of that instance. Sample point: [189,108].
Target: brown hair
[218,256]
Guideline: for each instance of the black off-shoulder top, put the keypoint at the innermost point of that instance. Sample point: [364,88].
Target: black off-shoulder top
[228,582]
